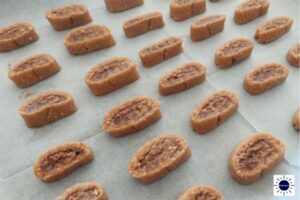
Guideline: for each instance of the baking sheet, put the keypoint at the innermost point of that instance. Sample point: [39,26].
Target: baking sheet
[271,111]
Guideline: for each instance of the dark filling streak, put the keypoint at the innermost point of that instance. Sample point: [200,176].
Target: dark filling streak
[275,24]
[207,20]
[254,154]
[68,10]
[131,113]
[159,153]
[108,70]
[61,158]
[32,63]
[12,32]
[205,195]
[267,72]
[234,47]
[161,45]
[216,105]
[44,101]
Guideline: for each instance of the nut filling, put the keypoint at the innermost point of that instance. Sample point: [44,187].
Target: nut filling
[108,70]
[44,101]
[182,75]
[251,4]
[34,62]
[216,105]
[61,158]
[275,23]
[208,19]
[267,72]
[85,33]
[14,31]
[159,153]
[133,111]
[252,155]
[90,194]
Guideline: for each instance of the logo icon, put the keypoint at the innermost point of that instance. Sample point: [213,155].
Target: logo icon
[283,185]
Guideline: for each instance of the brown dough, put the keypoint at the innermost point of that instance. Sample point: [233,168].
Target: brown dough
[201,192]
[111,75]
[213,111]
[186,76]
[161,51]
[183,9]
[60,160]
[264,77]
[255,157]
[46,108]
[33,70]
[273,29]
[233,51]
[121,5]
[296,120]
[88,38]
[131,116]
[17,35]
[293,55]
[250,10]
[143,24]
[206,27]
[158,157]
[68,16]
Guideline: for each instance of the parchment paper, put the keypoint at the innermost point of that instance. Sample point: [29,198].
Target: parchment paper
[271,111]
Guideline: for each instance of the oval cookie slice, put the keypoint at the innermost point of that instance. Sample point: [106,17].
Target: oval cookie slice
[111,75]
[265,77]
[203,192]
[33,70]
[296,120]
[184,77]
[84,191]
[59,161]
[250,10]
[16,36]
[68,16]
[233,51]
[158,157]
[255,157]
[88,38]
[46,108]
[131,116]
[121,5]
[273,29]
[143,24]
[184,9]
[206,27]
[213,111]
[293,55]
[161,51]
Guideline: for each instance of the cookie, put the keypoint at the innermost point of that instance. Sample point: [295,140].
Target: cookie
[46,108]
[203,192]
[213,111]
[264,77]
[250,10]
[131,116]
[161,51]
[121,5]
[183,9]
[33,70]
[293,55]
[206,27]
[84,191]
[273,29]
[143,24]
[111,75]
[233,51]
[214,1]
[186,76]
[158,157]
[255,157]
[60,160]
[16,36]
[296,120]
[88,38]
[68,16]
